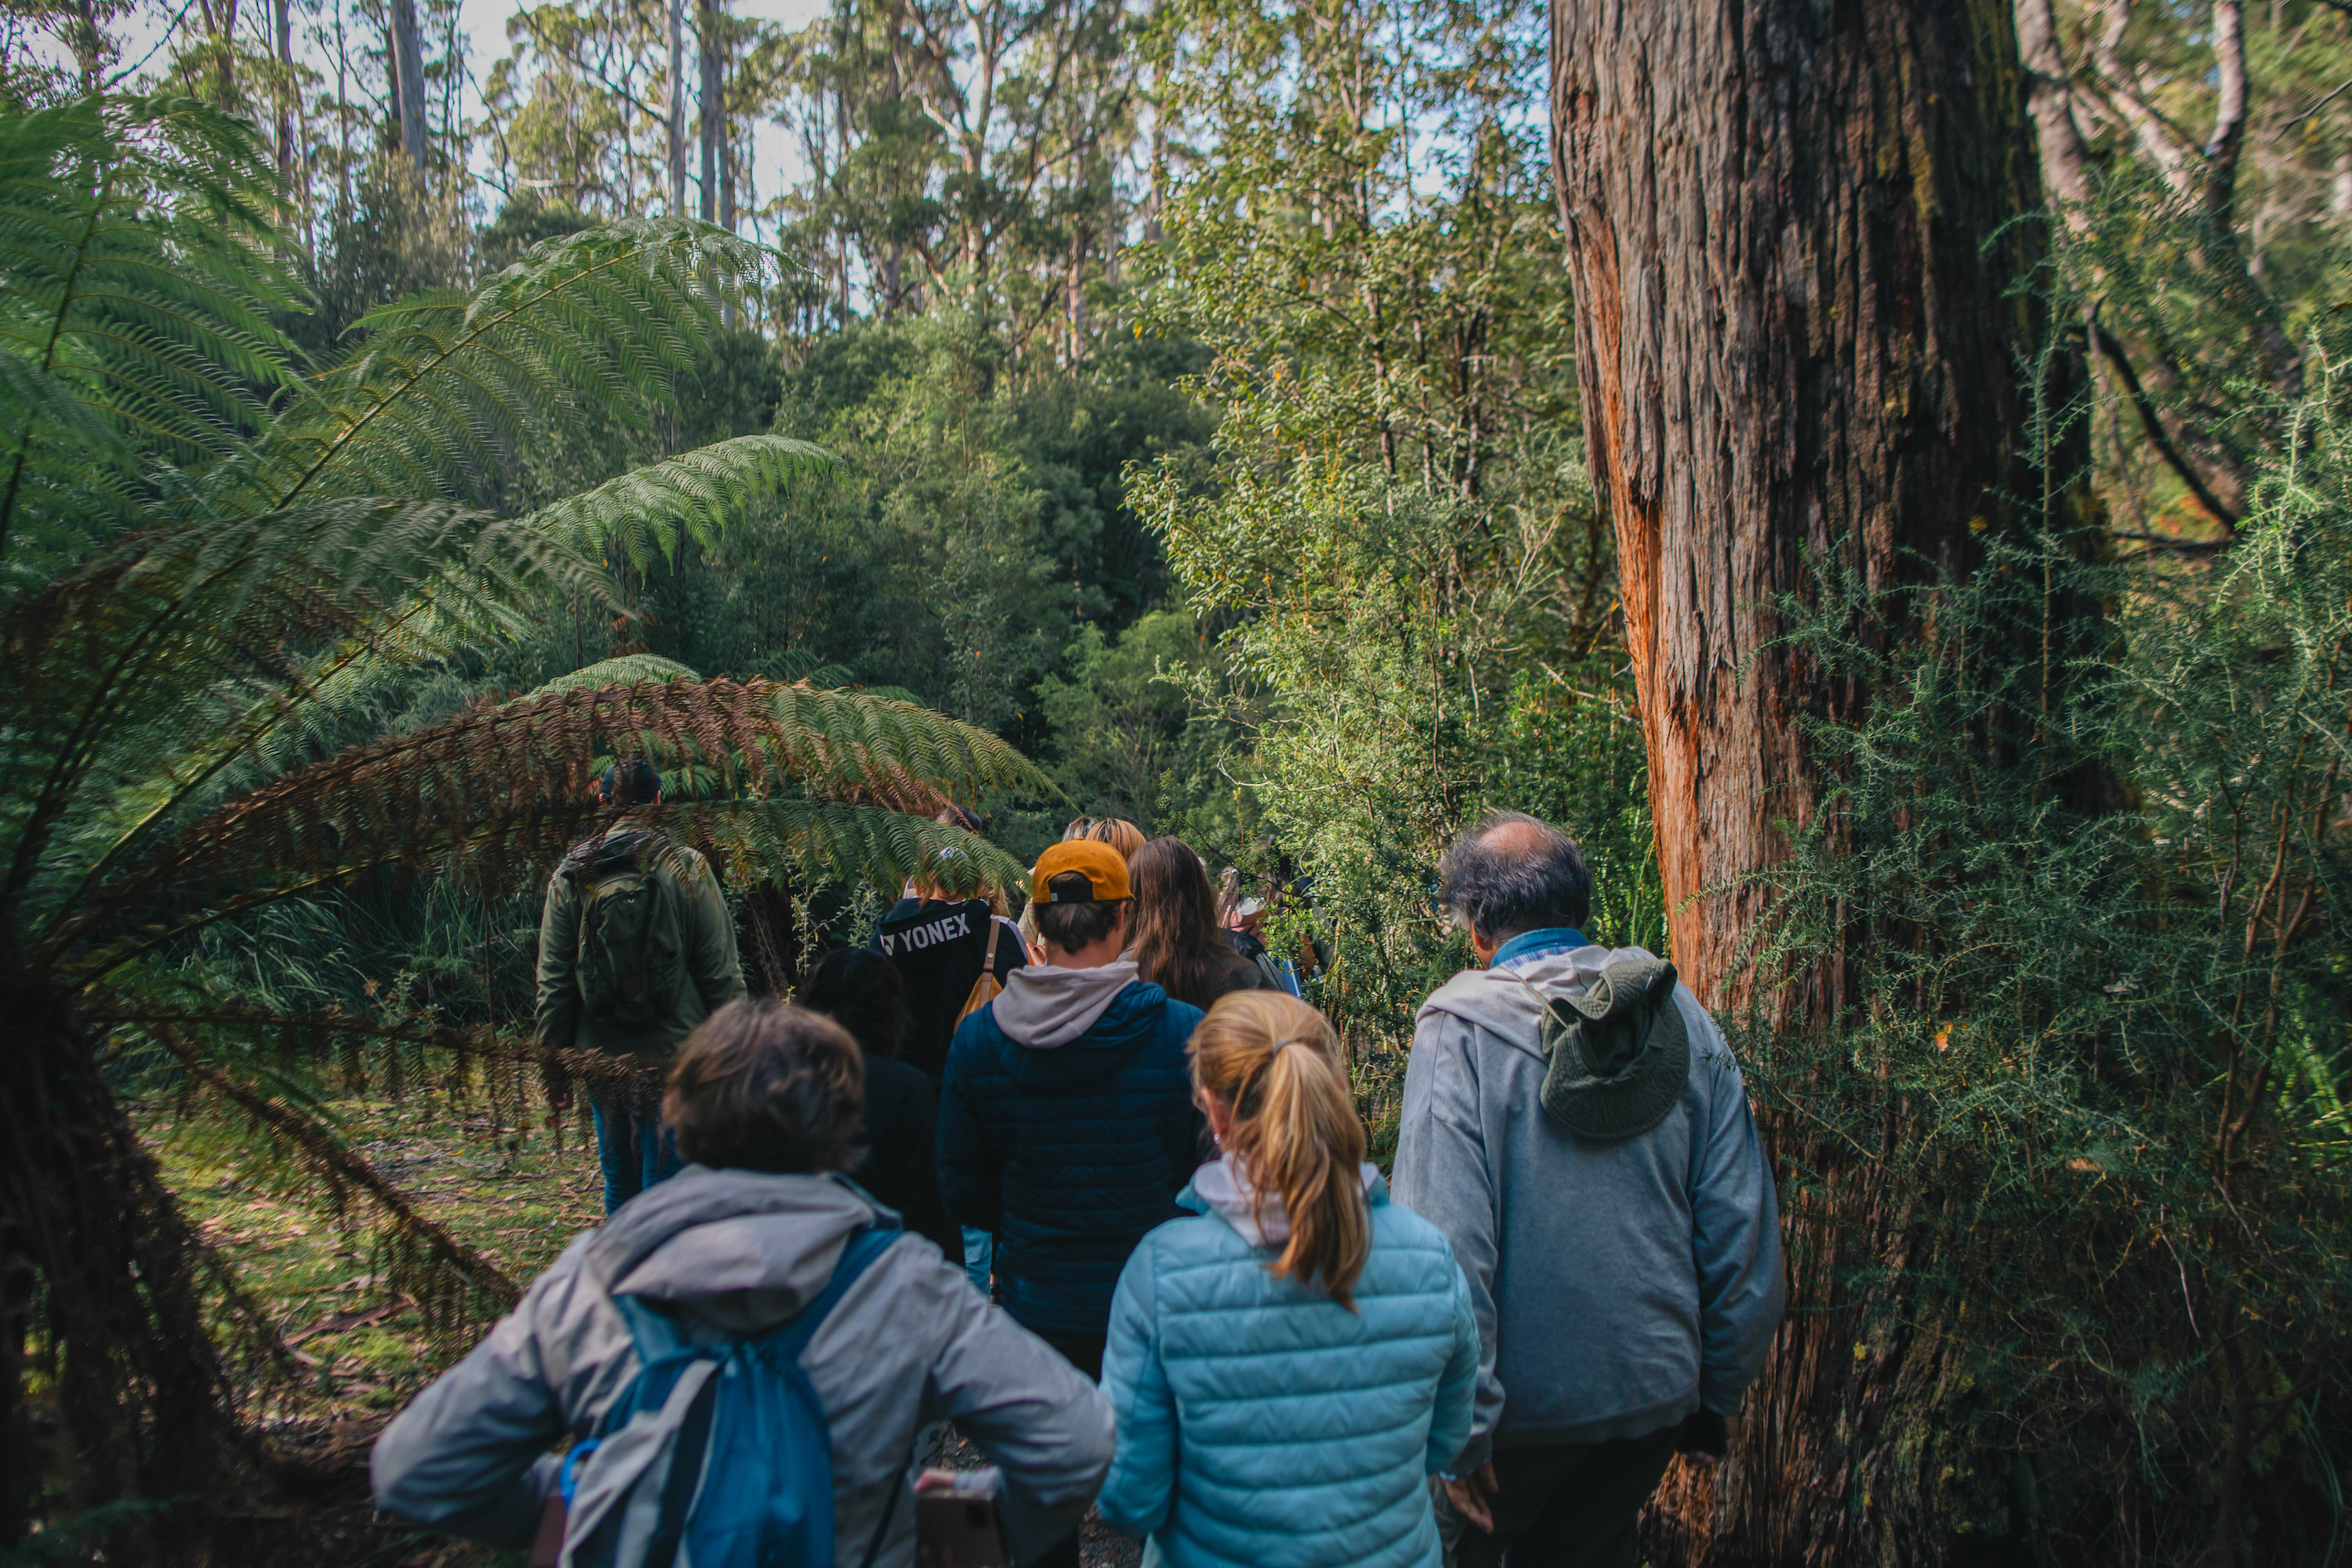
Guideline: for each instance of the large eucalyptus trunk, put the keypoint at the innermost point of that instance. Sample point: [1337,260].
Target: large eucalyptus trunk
[1794,347]
[1792,341]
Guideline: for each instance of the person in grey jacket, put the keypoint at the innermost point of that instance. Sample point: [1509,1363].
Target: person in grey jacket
[765,1101]
[1575,1124]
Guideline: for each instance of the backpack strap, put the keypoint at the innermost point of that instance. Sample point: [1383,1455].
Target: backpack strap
[859,1254]
[685,1476]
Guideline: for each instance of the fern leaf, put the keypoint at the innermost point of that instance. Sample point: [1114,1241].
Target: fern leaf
[508,785]
[645,511]
[603,320]
[137,288]
[627,670]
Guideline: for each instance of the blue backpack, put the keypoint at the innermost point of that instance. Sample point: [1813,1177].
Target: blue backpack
[717,1456]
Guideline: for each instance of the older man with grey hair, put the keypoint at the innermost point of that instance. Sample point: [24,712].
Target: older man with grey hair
[1576,1125]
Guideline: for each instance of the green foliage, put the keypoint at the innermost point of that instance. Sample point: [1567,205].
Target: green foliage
[2076,1156]
[1141,734]
[972,527]
[1570,753]
[1393,530]
[130,326]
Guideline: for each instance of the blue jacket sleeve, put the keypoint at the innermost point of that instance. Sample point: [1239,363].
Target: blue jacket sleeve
[1457,1390]
[1736,1230]
[1142,1487]
[1441,1175]
[971,1170]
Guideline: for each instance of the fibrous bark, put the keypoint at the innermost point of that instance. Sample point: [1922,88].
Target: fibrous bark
[101,1304]
[1793,344]
[1790,241]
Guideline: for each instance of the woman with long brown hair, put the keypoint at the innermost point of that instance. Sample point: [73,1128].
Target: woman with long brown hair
[1291,1363]
[1179,945]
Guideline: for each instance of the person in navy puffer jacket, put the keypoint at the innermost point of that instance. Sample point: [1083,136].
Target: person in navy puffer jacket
[1066,1123]
[1290,1366]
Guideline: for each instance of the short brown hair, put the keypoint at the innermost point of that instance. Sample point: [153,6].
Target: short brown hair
[1071,926]
[765,1086]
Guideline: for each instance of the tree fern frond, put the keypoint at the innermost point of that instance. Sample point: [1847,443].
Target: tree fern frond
[132,682]
[627,670]
[644,512]
[504,786]
[844,841]
[137,280]
[774,837]
[603,319]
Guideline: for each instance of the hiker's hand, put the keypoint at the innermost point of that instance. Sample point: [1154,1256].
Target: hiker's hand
[559,1093]
[1705,1438]
[1473,1497]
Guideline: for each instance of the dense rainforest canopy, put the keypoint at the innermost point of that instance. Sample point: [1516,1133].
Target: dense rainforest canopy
[1873,474]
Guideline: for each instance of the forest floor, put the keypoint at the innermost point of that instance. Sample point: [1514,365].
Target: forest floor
[359,1351]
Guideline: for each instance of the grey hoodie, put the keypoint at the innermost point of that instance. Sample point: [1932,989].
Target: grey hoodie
[1618,1286]
[739,1252]
[1043,1006]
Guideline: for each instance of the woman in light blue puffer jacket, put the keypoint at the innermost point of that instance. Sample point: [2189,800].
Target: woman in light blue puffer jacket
[1291,1363]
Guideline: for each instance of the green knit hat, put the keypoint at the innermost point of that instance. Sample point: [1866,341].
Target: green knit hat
[1618,1054]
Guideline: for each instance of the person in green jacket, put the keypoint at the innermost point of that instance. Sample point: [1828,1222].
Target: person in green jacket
[635,948]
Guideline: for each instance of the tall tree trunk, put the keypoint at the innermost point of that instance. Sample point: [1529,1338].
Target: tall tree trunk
[282,20]
[342,111]
[1790,340]
[408,53]
[714,107]
[1792,345]
[677,108]
[774,948]
[88,41]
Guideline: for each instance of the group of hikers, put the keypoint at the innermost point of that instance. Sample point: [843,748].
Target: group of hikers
[1092,1189]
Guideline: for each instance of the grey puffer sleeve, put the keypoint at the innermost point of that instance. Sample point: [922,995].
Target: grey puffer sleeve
[470,1454]
[1032,1413]
[1735,1226]
[1442,1174]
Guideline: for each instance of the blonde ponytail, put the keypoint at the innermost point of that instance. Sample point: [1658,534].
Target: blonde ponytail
[1273,1062]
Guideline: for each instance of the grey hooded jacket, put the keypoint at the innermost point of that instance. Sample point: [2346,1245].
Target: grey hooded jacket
[1618,1286]
[739,1252]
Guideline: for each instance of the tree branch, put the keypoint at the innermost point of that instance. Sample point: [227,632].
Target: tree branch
[2112,347]
[2169,152]
[2066,160]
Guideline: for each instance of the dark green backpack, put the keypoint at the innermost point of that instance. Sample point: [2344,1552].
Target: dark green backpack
[631,957]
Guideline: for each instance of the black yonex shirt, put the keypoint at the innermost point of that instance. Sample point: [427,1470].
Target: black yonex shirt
[938,945]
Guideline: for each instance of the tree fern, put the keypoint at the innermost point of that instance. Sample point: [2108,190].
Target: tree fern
[135,320]
[211,558]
